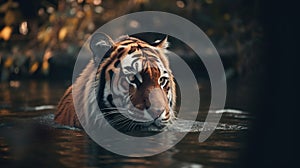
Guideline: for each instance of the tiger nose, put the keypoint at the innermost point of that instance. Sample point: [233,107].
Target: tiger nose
[155,102]
[156,112]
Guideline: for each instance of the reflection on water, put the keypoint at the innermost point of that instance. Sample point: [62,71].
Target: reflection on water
[28,137]
[17,100]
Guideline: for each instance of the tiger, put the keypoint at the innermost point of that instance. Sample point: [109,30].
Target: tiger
[134,84]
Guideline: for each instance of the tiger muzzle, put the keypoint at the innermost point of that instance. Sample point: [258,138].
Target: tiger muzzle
[153,102]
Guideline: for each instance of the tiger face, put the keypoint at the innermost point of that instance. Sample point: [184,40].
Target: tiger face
[136,87]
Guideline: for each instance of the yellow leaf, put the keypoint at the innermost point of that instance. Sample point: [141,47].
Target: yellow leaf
[52,18]
[10,17]
[71,24]
[45,67]
[41,35]
[62,33]
[6,33]
[44,35]
[47,55]
[33,67]
[9,61]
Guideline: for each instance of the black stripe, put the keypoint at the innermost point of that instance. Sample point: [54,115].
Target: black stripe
[117,63]
[111,73]
[110,100]
[120,49]
[132,49]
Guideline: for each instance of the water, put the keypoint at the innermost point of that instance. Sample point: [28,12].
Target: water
[29,137]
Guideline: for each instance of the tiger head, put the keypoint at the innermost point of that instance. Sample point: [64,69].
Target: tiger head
[136,85]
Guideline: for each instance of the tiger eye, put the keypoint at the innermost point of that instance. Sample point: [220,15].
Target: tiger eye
[131,78]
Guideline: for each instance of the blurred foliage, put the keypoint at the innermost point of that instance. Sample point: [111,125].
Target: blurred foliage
[38,36]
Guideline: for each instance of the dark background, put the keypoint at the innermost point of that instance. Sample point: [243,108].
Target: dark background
[273,142]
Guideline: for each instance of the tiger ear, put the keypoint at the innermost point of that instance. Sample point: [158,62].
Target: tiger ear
[161,43]
[100,43]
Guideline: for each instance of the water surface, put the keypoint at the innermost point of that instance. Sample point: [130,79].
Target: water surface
[29,137]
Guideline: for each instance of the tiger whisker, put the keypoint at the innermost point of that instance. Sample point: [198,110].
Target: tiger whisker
[113,108]
[119,121]
[131,125]
[127,125]
[123,123]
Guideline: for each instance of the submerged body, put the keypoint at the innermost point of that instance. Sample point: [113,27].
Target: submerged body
[134,85]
